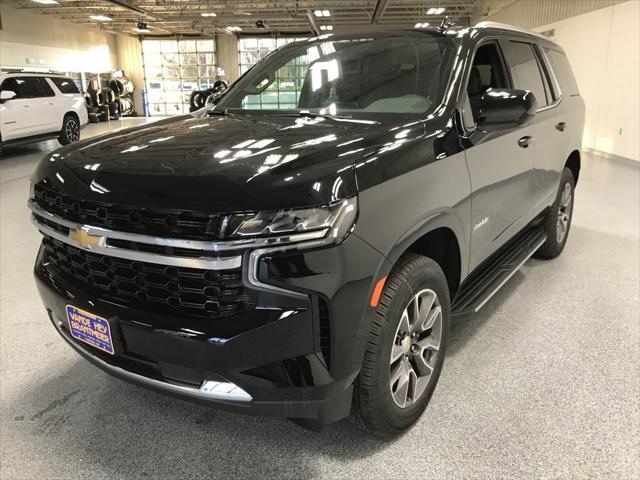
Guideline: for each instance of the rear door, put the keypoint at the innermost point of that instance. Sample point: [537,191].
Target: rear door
[500,162]
[530,71]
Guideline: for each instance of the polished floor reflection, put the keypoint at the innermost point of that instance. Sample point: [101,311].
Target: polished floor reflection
[543,383]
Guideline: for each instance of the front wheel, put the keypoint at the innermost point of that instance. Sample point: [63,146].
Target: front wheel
[557,222]
[70,130]
[405,349]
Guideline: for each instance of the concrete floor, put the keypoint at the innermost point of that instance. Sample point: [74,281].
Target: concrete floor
[543,383]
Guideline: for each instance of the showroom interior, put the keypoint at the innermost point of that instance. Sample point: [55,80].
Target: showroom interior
[543,382]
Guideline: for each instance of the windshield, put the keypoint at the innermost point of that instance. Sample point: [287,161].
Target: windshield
[357,78]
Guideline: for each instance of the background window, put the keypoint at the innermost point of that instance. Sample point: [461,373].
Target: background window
[525,70]
[175,68]
[254,49]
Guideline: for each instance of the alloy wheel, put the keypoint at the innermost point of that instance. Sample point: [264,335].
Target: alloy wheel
[415,348]
[564,213]
[72,130]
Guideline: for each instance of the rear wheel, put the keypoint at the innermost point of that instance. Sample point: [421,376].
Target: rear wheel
[405,349]
[558,219]
[70,130]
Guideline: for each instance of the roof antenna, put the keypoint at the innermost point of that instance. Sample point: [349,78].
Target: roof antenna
[445,23]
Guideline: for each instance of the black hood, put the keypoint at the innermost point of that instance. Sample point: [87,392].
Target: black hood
[216,163]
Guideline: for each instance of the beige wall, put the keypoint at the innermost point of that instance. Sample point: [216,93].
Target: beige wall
[227,56]
[603,47]
[129,59]
[53,43]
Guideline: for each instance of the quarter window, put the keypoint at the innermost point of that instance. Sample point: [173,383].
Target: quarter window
[65,85]
[525,70]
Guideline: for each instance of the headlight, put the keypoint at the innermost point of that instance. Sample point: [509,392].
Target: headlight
[331,221]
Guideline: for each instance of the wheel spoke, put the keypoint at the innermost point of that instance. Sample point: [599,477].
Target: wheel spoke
[423,367]
[400,380]
[429,343]
[396,352]
[404,326]
[430,320]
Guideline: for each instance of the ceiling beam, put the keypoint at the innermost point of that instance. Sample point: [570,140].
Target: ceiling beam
[378,11]
[312,22]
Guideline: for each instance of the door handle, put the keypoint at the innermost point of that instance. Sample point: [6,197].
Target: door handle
[524,141]
[561,126]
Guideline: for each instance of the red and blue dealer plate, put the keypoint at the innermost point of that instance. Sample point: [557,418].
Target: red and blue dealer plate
[90,329]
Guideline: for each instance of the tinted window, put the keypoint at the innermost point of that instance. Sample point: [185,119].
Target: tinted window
[487,72]
[562,71]
[33,87]
[525,70]
[65,85]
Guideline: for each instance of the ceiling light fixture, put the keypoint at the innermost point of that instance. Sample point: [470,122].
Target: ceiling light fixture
[322,13]
[233,29]
[326,27]
[46,2]
[208,14]
[421,25]
[436,11]
[101,18]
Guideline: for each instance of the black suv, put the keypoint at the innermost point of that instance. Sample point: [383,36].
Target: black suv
[300,247]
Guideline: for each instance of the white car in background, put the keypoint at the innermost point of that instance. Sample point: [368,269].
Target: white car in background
[35,106]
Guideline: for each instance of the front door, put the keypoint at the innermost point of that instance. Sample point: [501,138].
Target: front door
[500,163]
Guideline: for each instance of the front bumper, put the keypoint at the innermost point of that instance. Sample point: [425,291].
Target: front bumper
[278,354]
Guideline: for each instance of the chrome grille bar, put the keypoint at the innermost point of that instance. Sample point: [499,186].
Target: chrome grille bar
[103,247]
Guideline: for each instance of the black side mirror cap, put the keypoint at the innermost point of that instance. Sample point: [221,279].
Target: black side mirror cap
[502,108]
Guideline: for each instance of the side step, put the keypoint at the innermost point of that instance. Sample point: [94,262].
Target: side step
[479,288]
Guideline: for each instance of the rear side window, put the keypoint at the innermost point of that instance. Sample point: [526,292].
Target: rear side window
[562,70]
[65,85]
[30,87]
[525,70]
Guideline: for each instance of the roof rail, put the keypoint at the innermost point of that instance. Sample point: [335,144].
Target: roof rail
[511,28]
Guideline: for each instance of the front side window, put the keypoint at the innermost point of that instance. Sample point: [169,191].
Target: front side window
[525,70]
[363,77]
[487,72]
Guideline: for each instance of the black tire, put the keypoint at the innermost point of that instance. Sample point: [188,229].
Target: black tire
[555,242]
[375,406]
[70,130]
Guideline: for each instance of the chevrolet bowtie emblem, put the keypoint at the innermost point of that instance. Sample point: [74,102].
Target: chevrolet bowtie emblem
[85,239]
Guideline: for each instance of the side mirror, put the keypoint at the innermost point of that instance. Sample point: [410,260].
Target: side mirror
[502,108]
[7,95]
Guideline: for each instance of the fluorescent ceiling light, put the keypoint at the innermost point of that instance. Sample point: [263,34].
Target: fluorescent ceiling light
[421,25]
[326,27]
[208,14]
[46,2]
[322,13]
[101,18]
[436,11]
[234,29]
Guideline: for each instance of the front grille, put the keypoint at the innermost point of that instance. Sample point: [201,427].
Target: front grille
[148,286]
[176,223]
